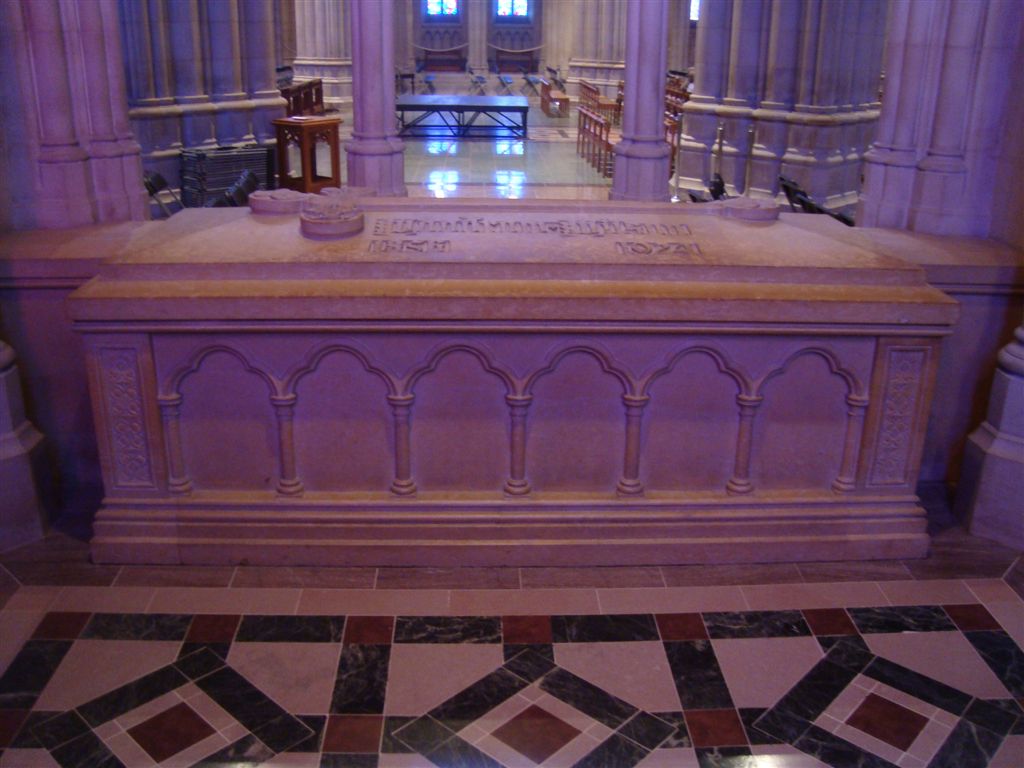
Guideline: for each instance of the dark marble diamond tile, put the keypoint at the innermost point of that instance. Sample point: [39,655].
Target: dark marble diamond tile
[972,617]
[615,750]
[923,687]
[253,709]
[886,720]
[134,694]
[60,730]
[221,650]
[511,650]
[315,723]
[812,695]
[681,626]
[647,730]
[681,737]
[369,630]
[587,698]
[201,661]
[967,745]
[213,628]
[87,751]
[448,629]
[290,629]
[456,753]
[744,624]
[904,618]
[247,752]
[715,728]
[697,676]
[389,743]
[725,757]
[30,671]
[137,626]
[423,734]
[847,651]
[833,750]
[999,716]
[603,629]
[829,621]
[11,721]
[536,733]
[529,665]
[748,716]
[526,630]
[353,733]
[171,731]
[1003,656]
[477,699]
[61,626]
[348,761]
[282,733]
[361,681]
[782,725]
[23,737]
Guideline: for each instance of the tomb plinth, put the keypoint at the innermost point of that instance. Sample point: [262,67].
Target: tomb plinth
[519,383]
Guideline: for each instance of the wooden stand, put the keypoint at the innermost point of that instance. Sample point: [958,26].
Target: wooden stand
[305,133]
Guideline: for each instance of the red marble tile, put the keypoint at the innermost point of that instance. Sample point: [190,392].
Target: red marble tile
[212,628]
[61,625]
[369,630]
[526,629]
[10,722]
[715,728]
[536,733]
[681,626]
[171,731]
[888,721]
[353,733]
[829,621]
[971,617]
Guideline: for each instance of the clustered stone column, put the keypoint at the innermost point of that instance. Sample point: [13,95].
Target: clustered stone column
[200,74]
[598,54]
[791,88]
[79,162]
[323,37]
[943,131]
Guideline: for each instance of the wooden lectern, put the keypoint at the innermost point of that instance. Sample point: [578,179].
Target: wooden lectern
[308,133]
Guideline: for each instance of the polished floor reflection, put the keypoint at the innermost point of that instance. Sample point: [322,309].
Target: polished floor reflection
[912,664]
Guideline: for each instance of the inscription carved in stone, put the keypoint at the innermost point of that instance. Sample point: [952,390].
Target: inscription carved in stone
[899,407]
[123,402]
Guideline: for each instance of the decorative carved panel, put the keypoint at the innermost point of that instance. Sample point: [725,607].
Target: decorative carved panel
[122,401]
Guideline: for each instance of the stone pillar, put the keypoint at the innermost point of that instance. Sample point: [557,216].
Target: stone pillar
[950,84]
[225,45]
[323,46]
[992,481]
[375,153]
[405,24]
[558,34]
[22,518]
[642,156]
[260,59]
[678,35]
[599,45]
[476,16]
[197,127]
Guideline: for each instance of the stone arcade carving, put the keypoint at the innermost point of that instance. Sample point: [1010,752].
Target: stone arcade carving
[537,389]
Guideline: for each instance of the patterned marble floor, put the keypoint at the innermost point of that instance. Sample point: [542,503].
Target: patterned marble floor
[911,664]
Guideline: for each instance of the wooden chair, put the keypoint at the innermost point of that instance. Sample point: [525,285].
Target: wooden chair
[553,103]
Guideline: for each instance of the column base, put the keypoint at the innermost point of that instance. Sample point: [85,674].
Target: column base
[22,517]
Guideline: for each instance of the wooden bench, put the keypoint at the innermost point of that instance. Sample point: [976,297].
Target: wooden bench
[591,98]
[593,141]
[553,103]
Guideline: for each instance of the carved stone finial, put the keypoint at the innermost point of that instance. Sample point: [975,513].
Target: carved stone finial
[334,214]
[276,201]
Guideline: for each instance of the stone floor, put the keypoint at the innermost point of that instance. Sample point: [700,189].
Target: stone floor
[906,663]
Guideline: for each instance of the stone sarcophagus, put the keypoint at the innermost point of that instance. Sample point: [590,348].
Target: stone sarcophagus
[491,382]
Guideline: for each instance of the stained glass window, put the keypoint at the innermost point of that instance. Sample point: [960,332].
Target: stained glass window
[442,7]
[513,8]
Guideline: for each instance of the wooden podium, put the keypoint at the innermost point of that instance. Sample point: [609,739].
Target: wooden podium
[307,133]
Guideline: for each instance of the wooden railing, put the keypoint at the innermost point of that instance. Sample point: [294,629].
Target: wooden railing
[591,98]
[593,140]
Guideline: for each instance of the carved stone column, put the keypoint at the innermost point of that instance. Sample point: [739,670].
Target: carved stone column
[375,153]
[22,518]
[642,156]
[225,44]
[599,44]
[323,46]
[261,78]
[197,124]
[476,12]
[992,480]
